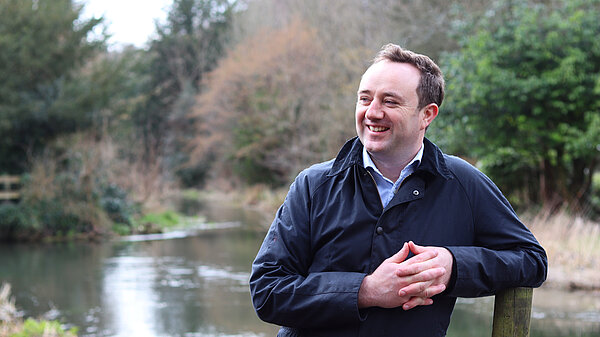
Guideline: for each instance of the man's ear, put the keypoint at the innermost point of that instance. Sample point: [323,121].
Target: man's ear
[430,112]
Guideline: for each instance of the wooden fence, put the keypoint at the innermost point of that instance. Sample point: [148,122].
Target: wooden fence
[9,187]
[512,313]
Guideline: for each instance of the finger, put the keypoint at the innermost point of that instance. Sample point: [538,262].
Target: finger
[424,256]
[416,301]
[416,249]
[401,255]
[422,289]
[416,284]
[417,264]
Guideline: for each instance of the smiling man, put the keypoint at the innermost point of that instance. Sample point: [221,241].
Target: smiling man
[382,239]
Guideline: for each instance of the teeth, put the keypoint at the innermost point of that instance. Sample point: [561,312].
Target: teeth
[377,128]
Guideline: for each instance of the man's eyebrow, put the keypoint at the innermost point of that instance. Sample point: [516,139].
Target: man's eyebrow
[385,94]
[394,95]
[391,94]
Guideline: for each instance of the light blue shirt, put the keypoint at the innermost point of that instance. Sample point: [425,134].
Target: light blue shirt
[385,186]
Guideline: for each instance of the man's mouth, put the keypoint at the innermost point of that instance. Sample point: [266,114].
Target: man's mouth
[377,128]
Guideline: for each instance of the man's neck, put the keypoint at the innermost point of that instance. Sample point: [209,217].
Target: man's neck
[391,167]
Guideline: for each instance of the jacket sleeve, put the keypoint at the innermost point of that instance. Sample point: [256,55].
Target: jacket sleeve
[283,289]
[505,253]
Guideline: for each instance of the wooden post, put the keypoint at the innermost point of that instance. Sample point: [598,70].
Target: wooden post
[512,312]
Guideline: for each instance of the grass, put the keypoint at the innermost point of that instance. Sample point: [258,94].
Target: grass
[12,324]
[261,198]
[573,247]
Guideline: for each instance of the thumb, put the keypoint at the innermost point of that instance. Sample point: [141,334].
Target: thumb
[401,255]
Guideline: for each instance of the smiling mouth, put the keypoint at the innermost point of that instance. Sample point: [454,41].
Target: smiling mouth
[377,128]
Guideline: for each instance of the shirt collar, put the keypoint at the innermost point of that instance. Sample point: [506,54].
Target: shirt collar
[368,162]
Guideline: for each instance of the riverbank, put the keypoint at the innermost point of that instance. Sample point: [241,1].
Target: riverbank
[573,247]
[13,324]
[571,242]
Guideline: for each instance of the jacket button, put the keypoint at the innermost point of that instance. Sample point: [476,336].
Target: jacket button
[379,230]
[416,192]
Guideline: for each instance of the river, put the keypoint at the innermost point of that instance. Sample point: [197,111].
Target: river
[196,285]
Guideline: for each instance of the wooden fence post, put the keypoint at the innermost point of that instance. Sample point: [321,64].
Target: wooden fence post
[512,312]
[7,191]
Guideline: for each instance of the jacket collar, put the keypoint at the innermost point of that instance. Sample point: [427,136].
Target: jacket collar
[432,162]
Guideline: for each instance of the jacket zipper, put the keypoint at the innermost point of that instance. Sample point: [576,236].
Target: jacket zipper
[375,183]
[402,183]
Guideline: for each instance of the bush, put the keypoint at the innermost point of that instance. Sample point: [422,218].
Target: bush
[15,221]
[33,328]
[523,95]
[71,190]
[115,201]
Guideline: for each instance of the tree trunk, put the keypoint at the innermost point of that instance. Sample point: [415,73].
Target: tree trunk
[551,199]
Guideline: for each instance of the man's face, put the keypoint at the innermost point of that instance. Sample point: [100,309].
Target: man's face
[388,122]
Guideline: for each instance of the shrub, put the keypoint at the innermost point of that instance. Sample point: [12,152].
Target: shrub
[15,221]
[115,201]
[33,328]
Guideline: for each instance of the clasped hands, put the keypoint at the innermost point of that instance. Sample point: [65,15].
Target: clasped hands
[407,282]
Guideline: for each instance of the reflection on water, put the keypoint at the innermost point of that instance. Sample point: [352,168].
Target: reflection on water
[197,286]
[473,317]
[194,286]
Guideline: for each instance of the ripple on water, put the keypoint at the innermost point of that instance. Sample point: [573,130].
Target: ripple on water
[216,273]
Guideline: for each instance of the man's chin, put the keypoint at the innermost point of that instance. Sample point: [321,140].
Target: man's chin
[374,148]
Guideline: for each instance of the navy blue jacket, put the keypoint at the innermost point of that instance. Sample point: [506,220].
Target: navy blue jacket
[332,230]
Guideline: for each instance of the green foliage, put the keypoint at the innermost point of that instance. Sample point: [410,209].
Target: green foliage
[34,328]
[595,194]
[163,219]
[70,192]
[523,97]
[15,220]
[188,46]
[157,222]
[115,201]
[11,324]
[42,46]
[121,229]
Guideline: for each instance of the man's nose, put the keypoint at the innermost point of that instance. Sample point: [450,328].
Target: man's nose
[374,111]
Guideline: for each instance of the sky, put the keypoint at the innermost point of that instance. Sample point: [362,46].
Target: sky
[128,21]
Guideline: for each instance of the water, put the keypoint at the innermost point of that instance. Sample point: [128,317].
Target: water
[197,286]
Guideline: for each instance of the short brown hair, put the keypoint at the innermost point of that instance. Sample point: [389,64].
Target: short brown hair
[431,84]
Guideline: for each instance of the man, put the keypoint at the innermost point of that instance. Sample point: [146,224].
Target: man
[381,240]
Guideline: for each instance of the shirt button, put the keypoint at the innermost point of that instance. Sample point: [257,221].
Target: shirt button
[379,230]
[416,192]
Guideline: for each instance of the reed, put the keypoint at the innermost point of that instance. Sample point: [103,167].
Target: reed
[13,325]
[8,312]
[572,243]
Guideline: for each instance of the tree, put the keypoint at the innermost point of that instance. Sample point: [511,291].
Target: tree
[524,89]
[42,45]
[188,45]
[263,116]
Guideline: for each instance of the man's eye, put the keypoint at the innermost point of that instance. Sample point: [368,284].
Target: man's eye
[363,99]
